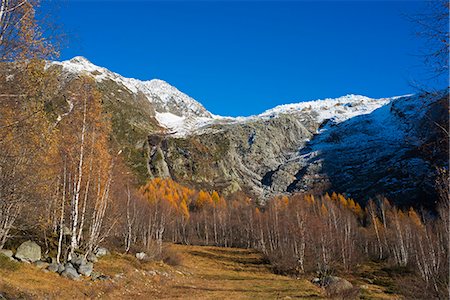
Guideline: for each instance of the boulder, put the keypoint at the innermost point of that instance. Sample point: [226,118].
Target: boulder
[41,264]
[141,255]
[92,258]
[68,265]
[336,285]
[61,268]
[6,252]
[77,260]
[53,267]
[28,251]
[99,276]
[316,281]
[101,252]
[70,272]
[86,268]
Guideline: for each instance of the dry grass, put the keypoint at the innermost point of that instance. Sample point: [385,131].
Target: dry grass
[227,273]
[376,283]
[7,264]
[204,273]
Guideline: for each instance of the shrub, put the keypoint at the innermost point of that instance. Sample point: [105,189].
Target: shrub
[171,257]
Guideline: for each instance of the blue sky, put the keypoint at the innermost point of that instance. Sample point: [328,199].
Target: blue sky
[241,58]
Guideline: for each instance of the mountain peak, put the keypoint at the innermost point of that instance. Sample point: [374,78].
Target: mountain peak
[165,97]
[79,65]
[79,59]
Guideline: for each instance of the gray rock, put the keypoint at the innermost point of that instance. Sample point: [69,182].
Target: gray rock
[99,276]
[61,268]
[316,280]
[6,252]
[158,165]
[70,272]
[86,268]
[141,255]
[53,267]
[69,265]
[28,251]
[92,258]
[101,252]
[336,285]
[41,264]
[77,260]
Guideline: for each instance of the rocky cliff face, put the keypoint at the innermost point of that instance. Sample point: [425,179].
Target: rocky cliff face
[353,144]
[236,156]
[371,154]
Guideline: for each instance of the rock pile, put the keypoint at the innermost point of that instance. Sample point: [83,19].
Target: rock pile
[75,268]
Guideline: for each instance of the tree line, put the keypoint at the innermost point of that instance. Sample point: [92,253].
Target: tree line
[299,234]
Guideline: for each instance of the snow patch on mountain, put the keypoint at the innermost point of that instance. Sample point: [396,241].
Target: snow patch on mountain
[336,110]
[329,111]
[165,97]
[182,126]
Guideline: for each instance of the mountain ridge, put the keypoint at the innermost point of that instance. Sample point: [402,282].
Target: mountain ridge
[189,114]
[353,144]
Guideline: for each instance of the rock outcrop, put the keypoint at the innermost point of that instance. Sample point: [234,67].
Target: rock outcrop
[7,253]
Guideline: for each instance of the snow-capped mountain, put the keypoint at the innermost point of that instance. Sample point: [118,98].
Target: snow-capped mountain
[183,115]
[166,98]
[352,144]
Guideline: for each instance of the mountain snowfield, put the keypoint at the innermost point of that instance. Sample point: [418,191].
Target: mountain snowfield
[183,115]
